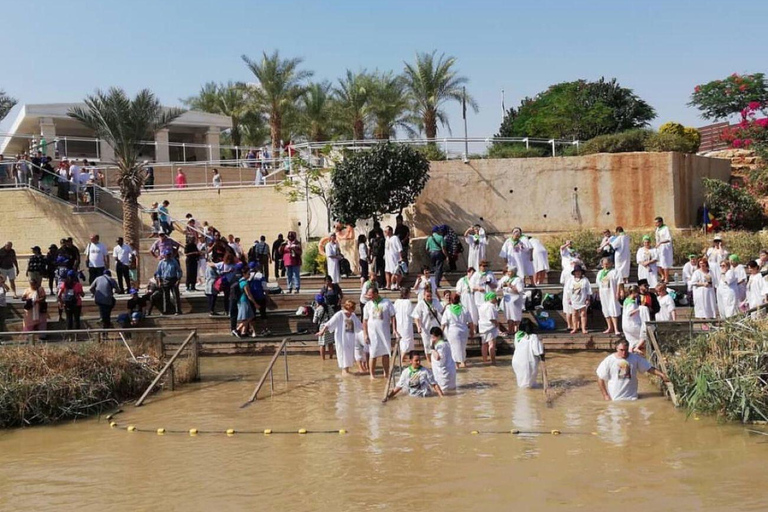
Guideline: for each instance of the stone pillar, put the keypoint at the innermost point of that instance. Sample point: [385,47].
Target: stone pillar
[162,152]
[48,132]
[213,140]
[106,153]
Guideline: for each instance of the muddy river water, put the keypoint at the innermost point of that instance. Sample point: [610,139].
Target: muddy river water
[410,454]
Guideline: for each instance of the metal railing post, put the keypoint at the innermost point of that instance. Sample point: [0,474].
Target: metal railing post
[285,359]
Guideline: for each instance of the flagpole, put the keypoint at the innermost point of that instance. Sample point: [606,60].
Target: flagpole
[464,113]
[503,108]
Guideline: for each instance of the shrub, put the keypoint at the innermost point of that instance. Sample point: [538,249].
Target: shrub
[661,142]
[733,207]
[625,142]
[431,152]
[507,150]
[309,258]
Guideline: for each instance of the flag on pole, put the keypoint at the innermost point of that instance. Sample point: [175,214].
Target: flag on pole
[464,103]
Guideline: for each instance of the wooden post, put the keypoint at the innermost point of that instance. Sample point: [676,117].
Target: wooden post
[662,365]
[285,359]
[395,357]
[167,366]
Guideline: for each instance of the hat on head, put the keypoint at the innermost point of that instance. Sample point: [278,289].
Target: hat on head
[320,298]
[36,248]
[577,268]
[641,282]
[108,273]
[52,246]
[646,238]
[490,296]
[717,238]
[734,258]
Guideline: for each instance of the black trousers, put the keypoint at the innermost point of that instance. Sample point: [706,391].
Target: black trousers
[93,273]
[191,273]
[123,277]
[73,317]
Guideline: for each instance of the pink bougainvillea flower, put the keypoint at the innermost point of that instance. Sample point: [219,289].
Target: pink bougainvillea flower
[762,123]
[697,88]
[735,75]
[743,87]
[754,105]
[747,143]
[736,143]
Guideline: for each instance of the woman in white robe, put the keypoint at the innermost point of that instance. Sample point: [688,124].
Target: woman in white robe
[703,285]
[608,282]
[477,244]
[525,361]
[620,244]
[511,286]
[631,320]
[333,258]
[727,291]
[741,277]
[424,281]
[578,294]
[458,327]
[756,287]
[464,289]
[345,326]
[715,255]
[514,251]
[392,255]
[378,317]
[540,261]
[482,282]
[567,255]
[441,359]
[404,321]
[646,263]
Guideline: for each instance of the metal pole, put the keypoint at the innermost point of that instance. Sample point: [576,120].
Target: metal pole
[271,381]
[285,359]
[466,142]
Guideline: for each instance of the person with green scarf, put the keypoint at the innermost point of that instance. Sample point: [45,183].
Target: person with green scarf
[378,327]
[427,314]
[488,326]
[464,289]
[458,327]
[416,379]
[647,257]
[609,283]
[441,358]
[529,351]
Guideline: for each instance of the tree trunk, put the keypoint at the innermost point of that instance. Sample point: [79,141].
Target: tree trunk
[430,123]
[275,126]
[358,130]
[132,226]
[236,138]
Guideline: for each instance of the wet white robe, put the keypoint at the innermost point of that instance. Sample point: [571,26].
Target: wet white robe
[651,272]
[525,360]
[444,368]
[379,317]
[456,331]
[427,319]
[608,285]
[403,311]
[704,300]
[344,329]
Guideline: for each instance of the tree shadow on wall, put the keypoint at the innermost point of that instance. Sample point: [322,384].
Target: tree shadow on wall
[453,214]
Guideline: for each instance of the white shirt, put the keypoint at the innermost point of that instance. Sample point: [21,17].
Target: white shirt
[525,360]
[122,253]
[667,305]
[362,249]
[620,375]
[96,254]
[487,313]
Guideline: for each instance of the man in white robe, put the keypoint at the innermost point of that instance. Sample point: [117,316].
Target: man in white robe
[441,357]
[663,248]
[393,250]
[427,314]
[622,253]
[617,373]
[333,258]
[378,326]
[528,352]
[416,379]
[476,243]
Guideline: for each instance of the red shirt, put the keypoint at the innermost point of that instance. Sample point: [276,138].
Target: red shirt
[291,252]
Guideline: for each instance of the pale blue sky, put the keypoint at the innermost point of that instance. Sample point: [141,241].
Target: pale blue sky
[59,51]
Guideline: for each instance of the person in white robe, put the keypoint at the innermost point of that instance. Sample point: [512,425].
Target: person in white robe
[488,327]
[477,243]
[416,380]
[362,352]
[663,248]
[727,291]
[667,311]
[344,325]
[567,255]
[458,327]
[741,277]
[367,285]
[609,283]
[647,257]
[757,288]
[393,252]
[529,351]
[578,294]
[404,321]
[715,255]
[464,289]
[621,256]
[482,282]
[424,281]
[511,287]
[378,325]
[631,320]
[515,250]
[441,359]
[540,261]
[527,272]
[333,258]
[427,314]
[617,373]
[688,269]
[703,283]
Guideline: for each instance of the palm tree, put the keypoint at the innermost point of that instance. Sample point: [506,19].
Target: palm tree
[352,102]
[123,123]
[389,105]
[231,100]
[280,85]
[6,104]
[315,116]
[432,82]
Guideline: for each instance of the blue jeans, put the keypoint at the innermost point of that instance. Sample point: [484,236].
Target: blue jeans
[437,259]
[105,310]
[294,281]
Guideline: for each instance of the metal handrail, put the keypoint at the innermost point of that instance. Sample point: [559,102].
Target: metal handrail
[268,371]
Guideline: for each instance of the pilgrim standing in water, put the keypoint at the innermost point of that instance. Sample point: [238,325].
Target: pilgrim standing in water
[578,295]
[403,312]
[727,292]
[488,326]
[621,257]
[703,283]
[663,248]
[647,258]
[464,289]
[476,243]
[529,351]
[609,283]
[458,327]
[631,321]
[540,261]
[344,325]
[441,359]
[427,314]
[511,286]
[393,250]
[483,282]
[378,324]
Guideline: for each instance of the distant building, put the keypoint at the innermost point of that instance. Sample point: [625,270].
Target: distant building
[710,137]
[193,136]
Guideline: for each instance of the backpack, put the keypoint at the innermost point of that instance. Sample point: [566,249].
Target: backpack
[552,302]
[532,299]
[69,298]
[257,288]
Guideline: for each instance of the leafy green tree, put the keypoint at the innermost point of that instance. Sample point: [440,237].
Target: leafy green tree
[384,179]
[352,108]
[123,123]
[315,116]
[307,184]
[720,99]
[231,100]
[578,110]
[281,83]
[6,104]
[733,207]
[432,82]
[389,105]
